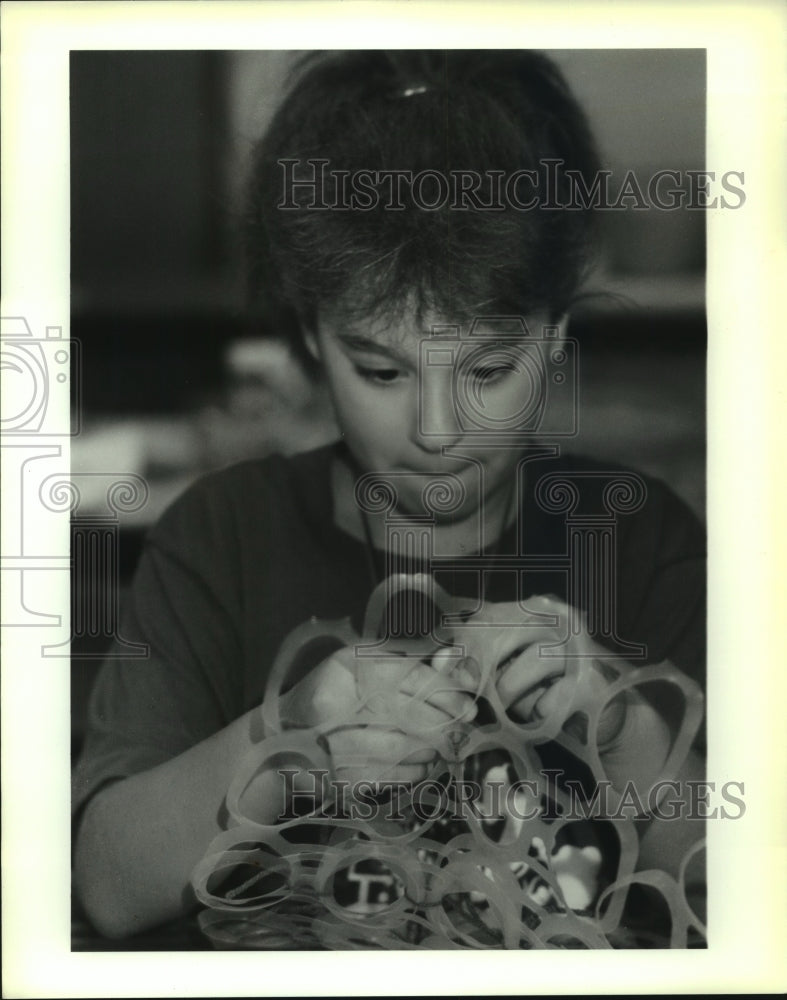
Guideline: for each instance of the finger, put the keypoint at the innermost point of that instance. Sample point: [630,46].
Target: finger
[375,773]
[550,699]
[451,705]
[510,627]
[465,669]
[371,744]
[448,669]
[381,776]
[528,674]
[494,645]
[586,688]
[449,660]
[413,716]
[445,692]
[410,713]
[527,708]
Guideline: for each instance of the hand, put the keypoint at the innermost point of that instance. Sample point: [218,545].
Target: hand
[380,715]
[533,685]
[632,738]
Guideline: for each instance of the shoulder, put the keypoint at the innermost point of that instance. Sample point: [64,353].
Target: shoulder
[629,540]
[643,507]
[250,496]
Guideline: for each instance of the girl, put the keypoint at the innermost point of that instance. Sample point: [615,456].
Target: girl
[415,231]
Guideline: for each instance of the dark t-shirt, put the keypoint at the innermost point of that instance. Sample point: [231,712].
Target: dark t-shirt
[251,552]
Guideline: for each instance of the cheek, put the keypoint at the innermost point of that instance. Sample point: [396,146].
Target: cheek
[515,398]
[354,407]
[369,422]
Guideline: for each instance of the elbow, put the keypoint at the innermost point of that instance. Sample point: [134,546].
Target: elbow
[107,922]
[130,874]
[104,909]
[101,898]
[98,881]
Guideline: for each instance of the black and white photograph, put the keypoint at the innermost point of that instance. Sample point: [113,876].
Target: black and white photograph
[387,432]
[381,430]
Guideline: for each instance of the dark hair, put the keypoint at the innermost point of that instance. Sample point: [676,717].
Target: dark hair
[503,111]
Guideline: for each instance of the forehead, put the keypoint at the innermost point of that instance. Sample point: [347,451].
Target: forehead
[402,331]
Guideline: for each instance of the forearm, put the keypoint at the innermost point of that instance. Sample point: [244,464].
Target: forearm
[141,837]
[667,835]
[636,763]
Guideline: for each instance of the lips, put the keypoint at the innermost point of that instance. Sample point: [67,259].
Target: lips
[453,470]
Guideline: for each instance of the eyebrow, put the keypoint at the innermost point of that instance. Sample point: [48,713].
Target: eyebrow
[358,343]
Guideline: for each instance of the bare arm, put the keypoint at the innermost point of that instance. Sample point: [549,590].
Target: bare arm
[141,837]
[665,841]
[672,828]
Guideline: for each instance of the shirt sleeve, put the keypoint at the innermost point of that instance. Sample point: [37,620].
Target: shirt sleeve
[182,606]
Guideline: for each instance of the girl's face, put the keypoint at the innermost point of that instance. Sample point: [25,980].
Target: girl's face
[402,408]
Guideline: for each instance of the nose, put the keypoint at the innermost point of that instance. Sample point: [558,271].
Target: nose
[437,420]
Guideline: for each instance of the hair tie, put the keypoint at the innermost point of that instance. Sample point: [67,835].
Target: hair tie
[412,91]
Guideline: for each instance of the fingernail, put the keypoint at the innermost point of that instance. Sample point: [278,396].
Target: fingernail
[469,669]
[441,661]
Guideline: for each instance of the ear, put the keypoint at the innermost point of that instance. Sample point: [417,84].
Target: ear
[562,324]
[311,341]
[558,326]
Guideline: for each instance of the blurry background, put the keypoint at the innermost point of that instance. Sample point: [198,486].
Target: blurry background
[171,387]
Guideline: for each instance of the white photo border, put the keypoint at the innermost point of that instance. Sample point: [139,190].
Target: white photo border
[745,43]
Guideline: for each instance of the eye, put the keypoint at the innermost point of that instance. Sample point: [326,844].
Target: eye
[378,376]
